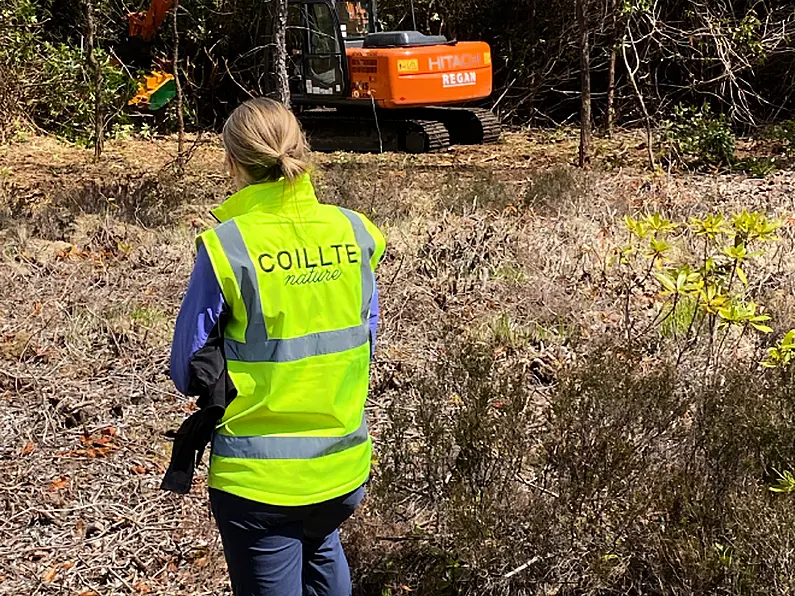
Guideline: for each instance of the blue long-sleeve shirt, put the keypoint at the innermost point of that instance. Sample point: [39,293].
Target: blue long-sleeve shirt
[200,312]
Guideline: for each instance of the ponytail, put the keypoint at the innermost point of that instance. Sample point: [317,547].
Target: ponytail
[263,138]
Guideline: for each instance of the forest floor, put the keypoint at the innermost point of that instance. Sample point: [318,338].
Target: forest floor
[95,258]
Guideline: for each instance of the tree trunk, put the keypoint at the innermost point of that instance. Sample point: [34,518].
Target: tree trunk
[610,114]
[585,77]
[178,83]
[96,70]
[280,53]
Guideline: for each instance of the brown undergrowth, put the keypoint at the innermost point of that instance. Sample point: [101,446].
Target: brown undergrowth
[526,442]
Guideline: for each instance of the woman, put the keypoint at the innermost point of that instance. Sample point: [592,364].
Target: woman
[275,336]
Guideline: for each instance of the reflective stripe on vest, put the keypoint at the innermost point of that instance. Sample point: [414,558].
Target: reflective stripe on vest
[274,447]
[367,246]
[258,348]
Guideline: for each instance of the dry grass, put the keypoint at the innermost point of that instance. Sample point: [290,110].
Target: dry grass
[507,247]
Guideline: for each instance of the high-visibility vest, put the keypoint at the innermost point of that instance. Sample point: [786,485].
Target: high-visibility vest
[298,278]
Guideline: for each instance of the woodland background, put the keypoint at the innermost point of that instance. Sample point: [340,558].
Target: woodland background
[735,56]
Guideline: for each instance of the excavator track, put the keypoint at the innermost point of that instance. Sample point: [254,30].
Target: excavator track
[419,130]
[348,130]
[466,126]
[426,136]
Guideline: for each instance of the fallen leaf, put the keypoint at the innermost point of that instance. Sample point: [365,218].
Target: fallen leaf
[59,483]
[68,565]
[88,593]
[67,252]
[98,452]
[138,469]
[50,574]
[98,446]
[141,587]
[29,448]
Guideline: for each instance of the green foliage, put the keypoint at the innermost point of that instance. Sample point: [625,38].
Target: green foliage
[695,137]
[780,355]
[701,271]
[633,7]
[785,483]
[506,333]
[47,82]
[747,35]
[758,167]
[19,23]
[784,132]
[676,317]
[725,553]
[67,107]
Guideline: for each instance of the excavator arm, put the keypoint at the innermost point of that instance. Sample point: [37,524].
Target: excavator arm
[146,24]
[157,88]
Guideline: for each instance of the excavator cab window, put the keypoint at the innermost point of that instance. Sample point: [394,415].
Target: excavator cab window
[317,61]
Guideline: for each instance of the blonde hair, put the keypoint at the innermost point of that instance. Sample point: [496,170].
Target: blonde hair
[263,139]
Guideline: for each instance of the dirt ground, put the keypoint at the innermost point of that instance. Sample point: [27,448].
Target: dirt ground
[95,258]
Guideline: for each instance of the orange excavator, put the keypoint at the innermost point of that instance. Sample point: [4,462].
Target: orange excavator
[356,87]
[359,88]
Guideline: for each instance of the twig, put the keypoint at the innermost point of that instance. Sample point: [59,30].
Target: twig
[522,567]
[631,74]
[535,486]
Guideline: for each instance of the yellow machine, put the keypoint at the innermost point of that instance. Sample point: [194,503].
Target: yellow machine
[157,88]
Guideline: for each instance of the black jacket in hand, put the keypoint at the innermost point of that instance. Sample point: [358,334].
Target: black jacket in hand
[210,381]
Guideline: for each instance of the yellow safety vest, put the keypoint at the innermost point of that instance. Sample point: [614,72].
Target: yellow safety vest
[298,278]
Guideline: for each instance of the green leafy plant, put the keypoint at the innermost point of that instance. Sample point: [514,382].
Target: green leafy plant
[780,355]
[785,133]
[67,109]
[45,81]
[725,553]
[700,269]
[785,483]
[696,137]
[747,35]
[758,167]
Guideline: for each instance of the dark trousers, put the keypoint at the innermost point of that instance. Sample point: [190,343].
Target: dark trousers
[284,551]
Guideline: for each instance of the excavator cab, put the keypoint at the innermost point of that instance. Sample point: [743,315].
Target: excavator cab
[317,63]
